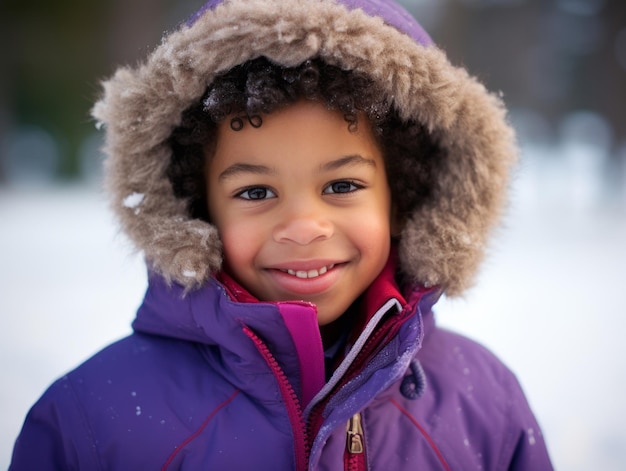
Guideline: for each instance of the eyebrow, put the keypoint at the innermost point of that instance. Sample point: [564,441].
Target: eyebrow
[239,168]
[348,160]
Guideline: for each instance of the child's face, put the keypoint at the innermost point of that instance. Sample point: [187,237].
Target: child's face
[302,206]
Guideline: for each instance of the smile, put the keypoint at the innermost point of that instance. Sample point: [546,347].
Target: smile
[308,273]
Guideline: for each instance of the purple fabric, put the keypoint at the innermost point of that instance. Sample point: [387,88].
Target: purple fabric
[391,12]
[189,390]
[301,321]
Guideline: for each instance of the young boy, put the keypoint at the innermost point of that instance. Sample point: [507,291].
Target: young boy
[305,179]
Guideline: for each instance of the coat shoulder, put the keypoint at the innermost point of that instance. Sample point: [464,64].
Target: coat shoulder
[474,406]
[131,390]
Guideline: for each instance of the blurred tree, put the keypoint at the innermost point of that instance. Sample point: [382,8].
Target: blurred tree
[554,57]
[50,50]
[55,53]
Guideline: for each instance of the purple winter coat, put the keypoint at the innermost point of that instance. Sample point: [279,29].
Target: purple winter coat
[206,382]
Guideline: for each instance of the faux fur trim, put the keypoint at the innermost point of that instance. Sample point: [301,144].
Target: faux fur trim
[442,244]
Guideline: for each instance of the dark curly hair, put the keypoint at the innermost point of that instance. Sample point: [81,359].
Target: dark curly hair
[259,87]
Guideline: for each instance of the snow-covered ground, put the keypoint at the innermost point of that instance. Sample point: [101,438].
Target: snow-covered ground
[550,301]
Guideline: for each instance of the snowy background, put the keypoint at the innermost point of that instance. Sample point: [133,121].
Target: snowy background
[551,300]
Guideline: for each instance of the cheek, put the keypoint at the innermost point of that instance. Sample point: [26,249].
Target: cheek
[370,231]
[240,244]
[379,234]
[377,241]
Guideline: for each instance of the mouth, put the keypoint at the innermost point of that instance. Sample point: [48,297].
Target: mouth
[307,274]
[297,279]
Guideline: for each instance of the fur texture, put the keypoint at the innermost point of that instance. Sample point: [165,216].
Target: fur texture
[442,243]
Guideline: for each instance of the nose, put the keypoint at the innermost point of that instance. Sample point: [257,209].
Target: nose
[303,224]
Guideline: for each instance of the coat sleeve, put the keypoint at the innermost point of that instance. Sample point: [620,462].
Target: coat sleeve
[529,452]
[55,435]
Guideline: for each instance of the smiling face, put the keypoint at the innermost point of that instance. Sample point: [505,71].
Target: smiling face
[302,206]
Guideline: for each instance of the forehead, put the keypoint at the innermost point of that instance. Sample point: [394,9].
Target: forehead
[305,131]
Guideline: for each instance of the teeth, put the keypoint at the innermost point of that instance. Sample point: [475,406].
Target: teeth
[310,273]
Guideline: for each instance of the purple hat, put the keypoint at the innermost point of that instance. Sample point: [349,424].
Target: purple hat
[442,242]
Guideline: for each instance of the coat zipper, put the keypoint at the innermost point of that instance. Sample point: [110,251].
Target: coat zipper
[354,457]
[302,448]
[352,461]
[354,441]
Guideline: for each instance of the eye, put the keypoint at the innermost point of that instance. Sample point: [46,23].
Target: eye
[342,186]
[256,193]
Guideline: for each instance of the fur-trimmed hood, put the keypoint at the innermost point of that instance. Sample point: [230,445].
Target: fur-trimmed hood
[442,243]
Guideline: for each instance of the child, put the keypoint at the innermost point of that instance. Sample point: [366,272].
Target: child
[305,179]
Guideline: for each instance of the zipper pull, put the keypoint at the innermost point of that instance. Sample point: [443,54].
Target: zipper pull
[354,440]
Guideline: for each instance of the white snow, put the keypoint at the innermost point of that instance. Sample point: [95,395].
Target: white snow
[133,200]
[550,302]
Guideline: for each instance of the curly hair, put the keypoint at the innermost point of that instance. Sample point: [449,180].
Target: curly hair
[258,87]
